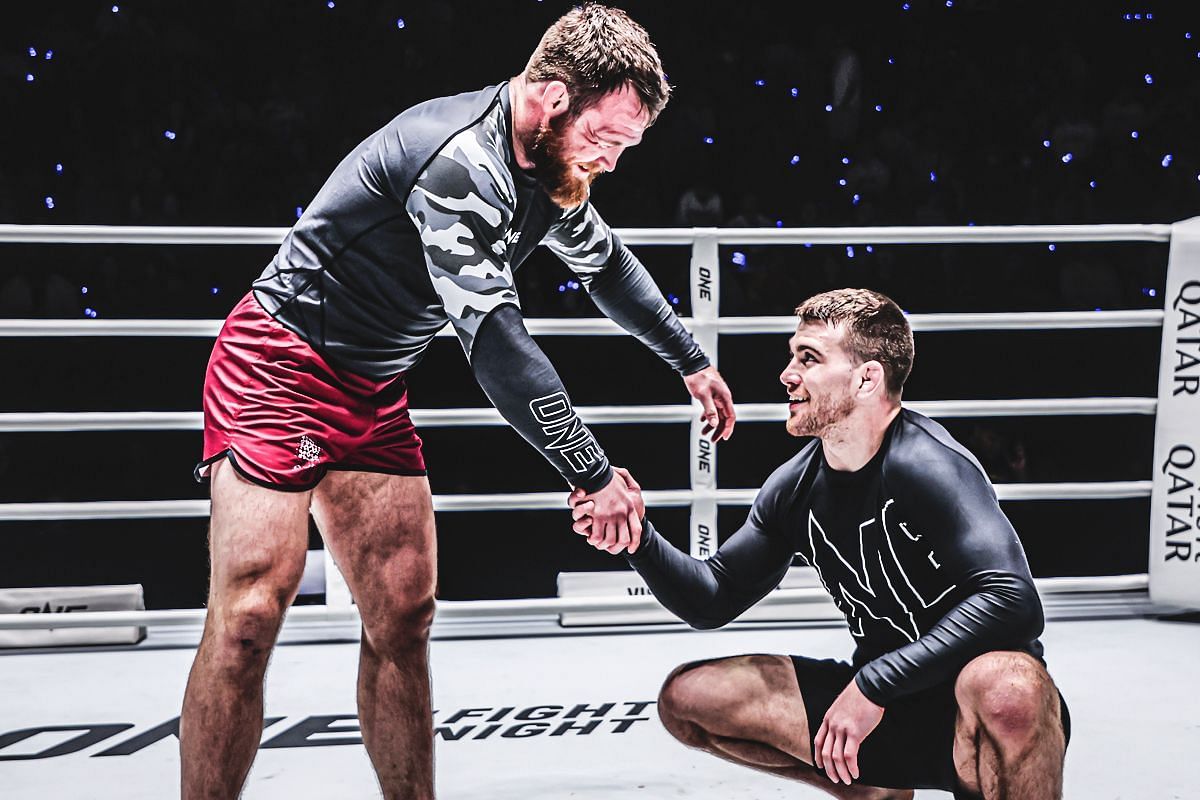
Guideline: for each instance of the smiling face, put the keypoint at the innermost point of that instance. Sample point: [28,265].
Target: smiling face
[569,151]
[820,378]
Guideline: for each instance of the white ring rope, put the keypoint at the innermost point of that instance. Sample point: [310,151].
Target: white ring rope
[59,422]
[1016,320]
[533,501]
[451,610]
[969,234]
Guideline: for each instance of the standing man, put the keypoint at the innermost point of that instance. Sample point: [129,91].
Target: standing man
[947,688]
[305,402]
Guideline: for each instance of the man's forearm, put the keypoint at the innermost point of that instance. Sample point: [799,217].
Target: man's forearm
[626,294]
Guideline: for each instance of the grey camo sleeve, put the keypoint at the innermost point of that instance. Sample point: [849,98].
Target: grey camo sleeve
[462,204]
[622,288]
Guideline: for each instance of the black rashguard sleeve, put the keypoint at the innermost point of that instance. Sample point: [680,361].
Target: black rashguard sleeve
[998,606]
[524,387]
[626,294]
[711,593]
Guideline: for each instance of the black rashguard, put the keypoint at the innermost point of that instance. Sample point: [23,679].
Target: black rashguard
[424,223]
[913,548]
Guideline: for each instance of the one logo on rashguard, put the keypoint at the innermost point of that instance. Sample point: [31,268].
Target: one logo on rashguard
[567,434]
[894,600]
[512,237]
[308,450]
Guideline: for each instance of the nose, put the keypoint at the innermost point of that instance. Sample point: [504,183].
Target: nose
[788,377]
[608,159]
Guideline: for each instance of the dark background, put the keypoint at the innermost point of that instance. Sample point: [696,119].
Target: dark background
[988,113]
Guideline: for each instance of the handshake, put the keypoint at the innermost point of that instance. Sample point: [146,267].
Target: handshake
[610,518]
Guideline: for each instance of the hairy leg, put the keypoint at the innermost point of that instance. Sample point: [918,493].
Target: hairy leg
[749,710]
[1009,742]
[381,533]
[257,540]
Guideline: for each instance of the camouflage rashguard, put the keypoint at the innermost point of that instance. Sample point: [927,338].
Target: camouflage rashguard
[423,223]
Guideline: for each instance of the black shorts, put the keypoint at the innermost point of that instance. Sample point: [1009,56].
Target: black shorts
[913,746]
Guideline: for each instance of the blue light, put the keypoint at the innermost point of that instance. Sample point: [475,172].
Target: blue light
[932,176]
[1137,16]
[1045,142]
[739,258]
[1153,293]
[400,23]
[115,9]
[562,287]
[891,61]
[1052,248]
[760,82]
[674,300]
[90,313]
[949,3]
[1166,162]
[1068,157]
[330,4]
[879,108]
[795,92]
[33,52]
[1092,184]
[829,108]
[1128,17]
[170,135]
[58,168]
[49,54]
[1149,15]
[1133,134]
[573,285]
[870,249]
[849,251]
[905,7]
[845,159]
[83,290]
[708,140]
[29,77]
[807,245]
[1098,308]
[299,211]
[779,222]
[795,160]
[841,181]
[855,199]
[1148,78]
[49,202]
[1187,35]
[215,289]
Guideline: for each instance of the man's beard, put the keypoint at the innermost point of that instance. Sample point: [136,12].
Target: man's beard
[557,176]
[819,415]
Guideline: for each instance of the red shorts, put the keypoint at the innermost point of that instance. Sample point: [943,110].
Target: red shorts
[284,416]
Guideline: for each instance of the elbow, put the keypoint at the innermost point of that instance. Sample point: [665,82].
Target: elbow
[706,624]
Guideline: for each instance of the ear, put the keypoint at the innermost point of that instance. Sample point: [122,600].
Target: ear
[556,99]
[872,380]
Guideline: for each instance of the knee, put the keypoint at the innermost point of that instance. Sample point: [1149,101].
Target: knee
[401,630]
[249,622]
[685,699]
[1010,694]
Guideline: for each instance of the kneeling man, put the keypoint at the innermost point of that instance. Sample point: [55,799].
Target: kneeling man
[947,688]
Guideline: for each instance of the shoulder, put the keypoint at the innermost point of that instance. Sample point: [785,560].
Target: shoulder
[786,484]
[922,455]
[459,145]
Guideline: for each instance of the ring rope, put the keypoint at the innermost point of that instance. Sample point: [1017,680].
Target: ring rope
[533,501]
[450,610]
[938,234]
[60,422]
[1024,320]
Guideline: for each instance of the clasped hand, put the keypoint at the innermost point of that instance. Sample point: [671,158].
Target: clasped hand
[610,518]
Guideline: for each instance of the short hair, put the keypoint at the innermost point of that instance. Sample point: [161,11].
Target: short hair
[595,50]
[874,329]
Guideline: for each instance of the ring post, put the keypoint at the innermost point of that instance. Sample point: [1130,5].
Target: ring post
[1174,524]
[706,312]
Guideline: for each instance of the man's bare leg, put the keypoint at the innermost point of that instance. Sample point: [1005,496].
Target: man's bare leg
[748,710]
[1009,742]
[381,533]
[257,540]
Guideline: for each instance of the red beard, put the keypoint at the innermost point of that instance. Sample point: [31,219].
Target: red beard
[559,177]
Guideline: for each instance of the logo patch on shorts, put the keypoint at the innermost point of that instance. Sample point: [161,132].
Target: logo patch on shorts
[308,450]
